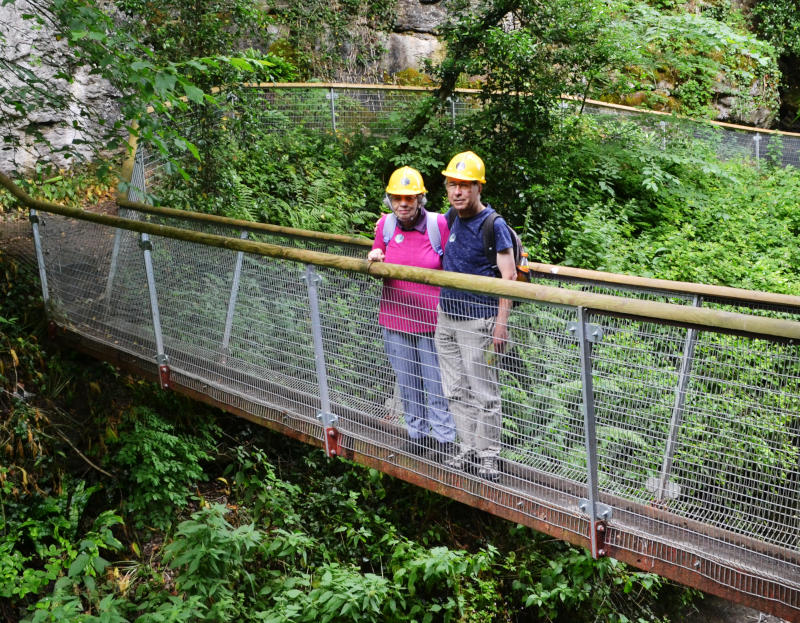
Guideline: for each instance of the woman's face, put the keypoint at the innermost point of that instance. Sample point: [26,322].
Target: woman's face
[405,207]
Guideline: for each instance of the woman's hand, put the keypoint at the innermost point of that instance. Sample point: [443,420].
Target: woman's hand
[376,255]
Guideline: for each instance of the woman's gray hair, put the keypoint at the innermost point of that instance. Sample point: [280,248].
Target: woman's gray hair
[422,200]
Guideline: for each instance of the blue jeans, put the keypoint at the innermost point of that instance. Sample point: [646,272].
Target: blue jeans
[416,365]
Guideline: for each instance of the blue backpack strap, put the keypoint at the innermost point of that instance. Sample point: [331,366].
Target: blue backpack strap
[389,225]
[434,235]
[450,217]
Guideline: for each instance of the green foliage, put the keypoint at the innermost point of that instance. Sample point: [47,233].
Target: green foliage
[155,88]
[333,40]
[159,465]
[683,57]
[778,21]
[208,553]
[41,543]
[296,178]
[731,228]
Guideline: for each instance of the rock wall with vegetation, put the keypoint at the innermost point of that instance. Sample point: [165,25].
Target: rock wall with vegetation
[693,58]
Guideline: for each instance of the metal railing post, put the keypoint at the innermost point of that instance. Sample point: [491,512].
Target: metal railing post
[237,274]
[136,192]
[37,243]
[161,356]
[587,335]
[664,488]
[452,101]
[757,145]
[332,97]
[331,434]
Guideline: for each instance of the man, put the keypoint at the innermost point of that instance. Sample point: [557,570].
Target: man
[472,327]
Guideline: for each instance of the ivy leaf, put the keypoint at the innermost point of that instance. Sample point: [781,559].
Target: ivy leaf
[164,82]
[78,565]
[193,93]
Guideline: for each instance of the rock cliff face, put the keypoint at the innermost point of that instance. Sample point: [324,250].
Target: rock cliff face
[48,127]
[413,37]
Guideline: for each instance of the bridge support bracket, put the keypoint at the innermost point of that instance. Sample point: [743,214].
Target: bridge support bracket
[594,332]
[332,447]
[598,519]
[163,372]
[601,511]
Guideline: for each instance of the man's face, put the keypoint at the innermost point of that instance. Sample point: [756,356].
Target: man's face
[404,207]
[464,195]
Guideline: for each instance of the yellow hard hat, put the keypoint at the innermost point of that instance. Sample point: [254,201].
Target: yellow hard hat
[466,166]
[406,181]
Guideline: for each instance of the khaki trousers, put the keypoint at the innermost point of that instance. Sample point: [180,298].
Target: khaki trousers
[469,382]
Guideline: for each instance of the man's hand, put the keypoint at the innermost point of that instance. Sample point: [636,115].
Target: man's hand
[376,255]
[500,336]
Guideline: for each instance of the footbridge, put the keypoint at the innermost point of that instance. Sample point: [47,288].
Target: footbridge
[653,421]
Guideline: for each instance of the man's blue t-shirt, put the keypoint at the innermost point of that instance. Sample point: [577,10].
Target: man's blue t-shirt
[464,253]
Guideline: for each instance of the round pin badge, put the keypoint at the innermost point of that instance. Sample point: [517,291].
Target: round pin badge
[451,238]
[399,238]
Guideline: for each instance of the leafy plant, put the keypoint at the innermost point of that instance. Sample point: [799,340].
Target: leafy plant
[159,465]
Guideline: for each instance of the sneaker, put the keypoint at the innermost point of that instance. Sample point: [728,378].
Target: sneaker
[460,459]
[416,447]
[488,469]
[443,451]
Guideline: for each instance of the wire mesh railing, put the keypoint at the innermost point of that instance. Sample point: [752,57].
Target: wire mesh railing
[660,290]
[665,435]
[729,141]
[366,110]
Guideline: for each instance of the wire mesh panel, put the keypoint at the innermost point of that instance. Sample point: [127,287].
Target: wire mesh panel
[317,242]
[378,110]
[86,293]
[616,287]
[718,447]
[728,142]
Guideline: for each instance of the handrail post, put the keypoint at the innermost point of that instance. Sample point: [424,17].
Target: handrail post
[237,274]
[757,145]
[451,100]
[136,192]
[37,243]
[588,334]
[161,356]
[332,95]
[677,408]
[330,433]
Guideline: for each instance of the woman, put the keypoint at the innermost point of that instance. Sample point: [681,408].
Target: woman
[412,236]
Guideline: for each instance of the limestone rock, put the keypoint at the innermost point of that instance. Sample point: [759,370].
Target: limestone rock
[408,50]
[27,48]
[423,16]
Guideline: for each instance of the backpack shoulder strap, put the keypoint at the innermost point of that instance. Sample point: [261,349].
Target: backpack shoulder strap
[451,218]
[434,235]
[489,242]
[389,225]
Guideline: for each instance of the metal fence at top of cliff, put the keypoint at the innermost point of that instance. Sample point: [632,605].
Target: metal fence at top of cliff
[350,110]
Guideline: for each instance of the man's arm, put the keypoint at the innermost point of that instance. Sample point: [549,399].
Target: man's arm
[508,270]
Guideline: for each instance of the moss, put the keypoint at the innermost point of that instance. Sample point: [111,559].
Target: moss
[411,77]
